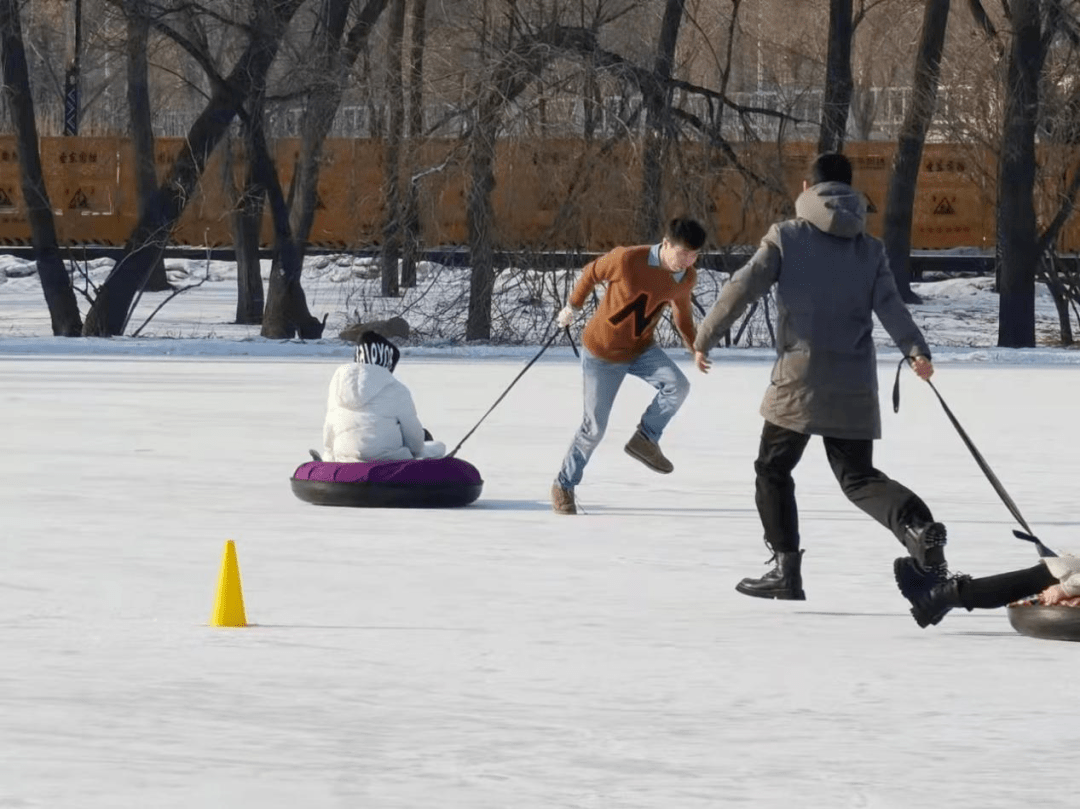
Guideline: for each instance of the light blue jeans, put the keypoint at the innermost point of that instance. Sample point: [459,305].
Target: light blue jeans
[602,380]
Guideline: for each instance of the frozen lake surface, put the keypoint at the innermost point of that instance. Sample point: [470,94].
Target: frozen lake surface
[499,655]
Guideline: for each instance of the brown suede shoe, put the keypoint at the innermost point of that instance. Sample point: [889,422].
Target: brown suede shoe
[562,500]
[648,452]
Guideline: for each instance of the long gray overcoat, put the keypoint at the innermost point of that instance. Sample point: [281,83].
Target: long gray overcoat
[831,279]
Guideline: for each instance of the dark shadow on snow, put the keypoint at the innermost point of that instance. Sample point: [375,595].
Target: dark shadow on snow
[633,511]
[1005,634]
[362,628]
[854,614]
[510,505]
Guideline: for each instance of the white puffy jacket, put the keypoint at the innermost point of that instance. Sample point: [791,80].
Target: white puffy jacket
[370,416]
[1067,570]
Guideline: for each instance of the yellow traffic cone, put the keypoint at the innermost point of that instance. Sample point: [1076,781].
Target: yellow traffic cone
[229,604]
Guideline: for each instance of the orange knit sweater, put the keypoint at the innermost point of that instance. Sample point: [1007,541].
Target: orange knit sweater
[637,294]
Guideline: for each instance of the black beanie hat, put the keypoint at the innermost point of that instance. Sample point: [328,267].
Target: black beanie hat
[374,349]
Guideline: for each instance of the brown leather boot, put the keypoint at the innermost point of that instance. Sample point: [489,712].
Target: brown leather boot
[562,500]
[648,452]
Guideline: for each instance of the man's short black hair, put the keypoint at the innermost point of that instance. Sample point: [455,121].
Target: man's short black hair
[687,232]
[830,167]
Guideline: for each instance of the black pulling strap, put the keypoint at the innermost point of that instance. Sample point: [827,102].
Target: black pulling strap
[543,348]
[1026,534]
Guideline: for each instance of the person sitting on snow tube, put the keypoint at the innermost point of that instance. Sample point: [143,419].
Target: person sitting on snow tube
[1055,581]
[370,415]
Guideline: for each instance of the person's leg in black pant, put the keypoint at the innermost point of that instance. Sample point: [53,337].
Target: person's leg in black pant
[931,601]
[778,454]
[988,592]
[890,503]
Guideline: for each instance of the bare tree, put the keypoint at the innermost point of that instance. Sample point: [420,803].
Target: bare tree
[480,217]
[1037,44]
[498,84]
[391,246]
[900,200]
[658,124]
[1060,181]
[55,282]
[112,308]
[838,80]
[335,58]
[249,203]
[1017,240]
[286,314]
[411,236]
[142,129]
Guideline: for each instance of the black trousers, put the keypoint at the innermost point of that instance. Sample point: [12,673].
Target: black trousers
[852,461]
[1005,588]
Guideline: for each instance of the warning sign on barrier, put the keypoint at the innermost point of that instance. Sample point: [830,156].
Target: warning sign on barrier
[944,207]
[14,229]
[80,201]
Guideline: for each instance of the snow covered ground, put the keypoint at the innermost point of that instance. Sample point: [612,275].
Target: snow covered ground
[498,655]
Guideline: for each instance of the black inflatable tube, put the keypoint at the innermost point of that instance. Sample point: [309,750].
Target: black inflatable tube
[1046,622]
[386,495]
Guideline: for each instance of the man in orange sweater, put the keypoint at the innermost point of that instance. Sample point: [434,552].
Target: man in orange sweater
[618,340]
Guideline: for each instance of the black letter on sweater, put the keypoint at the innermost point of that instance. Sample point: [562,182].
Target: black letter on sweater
[636,308]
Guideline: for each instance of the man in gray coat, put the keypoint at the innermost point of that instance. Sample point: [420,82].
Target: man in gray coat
[831,278]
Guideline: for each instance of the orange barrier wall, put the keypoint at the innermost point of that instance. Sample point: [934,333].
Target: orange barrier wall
[82,179]
[550,194]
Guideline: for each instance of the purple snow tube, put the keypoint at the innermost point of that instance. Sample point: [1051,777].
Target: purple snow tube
[419,483]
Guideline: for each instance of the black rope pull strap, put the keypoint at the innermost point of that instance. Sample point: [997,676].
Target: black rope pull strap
[983,465]
[1042,549]
[544,348]
[896,385]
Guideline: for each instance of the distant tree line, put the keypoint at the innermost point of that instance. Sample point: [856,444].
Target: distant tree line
[660,74]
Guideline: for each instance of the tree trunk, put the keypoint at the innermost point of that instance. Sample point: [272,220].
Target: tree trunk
[592,102]
[900,199]
[1059,291]
[335,62]
[480,217]
[1017,242]
[513,73]
[247,226]
[55,281]
[142,131]
[286,314]
[110,312]
[410,236]
[658,122]
[72,84]
[391,247]
[838,81]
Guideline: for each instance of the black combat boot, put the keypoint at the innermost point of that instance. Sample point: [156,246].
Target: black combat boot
[784,581]
[925,541]
[931,598]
